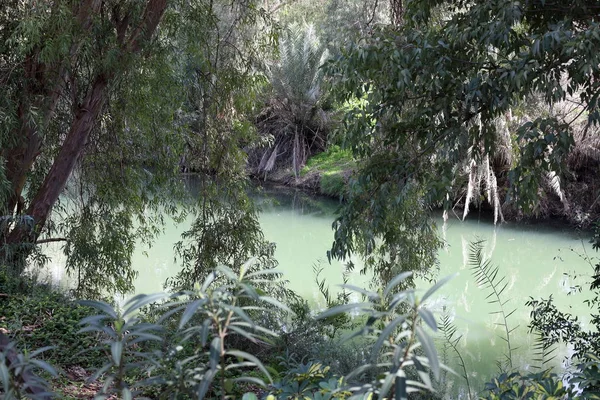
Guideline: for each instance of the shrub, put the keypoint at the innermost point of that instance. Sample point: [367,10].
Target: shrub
[198,360]
[37,316]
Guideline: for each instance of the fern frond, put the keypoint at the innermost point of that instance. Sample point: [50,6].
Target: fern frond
[448,329]
[487,277]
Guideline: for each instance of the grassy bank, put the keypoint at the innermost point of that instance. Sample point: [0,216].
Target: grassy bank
[326,173]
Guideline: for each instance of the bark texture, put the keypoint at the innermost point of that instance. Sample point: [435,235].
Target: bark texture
[397,12]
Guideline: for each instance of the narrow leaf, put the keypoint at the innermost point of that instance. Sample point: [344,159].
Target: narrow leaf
[251,358]
[342,308]
[395,282]
[190,311]
[116,350]
[428,317]
[430,351]
[435,287]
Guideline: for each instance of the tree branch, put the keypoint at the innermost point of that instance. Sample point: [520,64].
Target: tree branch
[51,240]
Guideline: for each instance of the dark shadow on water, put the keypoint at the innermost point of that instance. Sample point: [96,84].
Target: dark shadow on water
[271,197]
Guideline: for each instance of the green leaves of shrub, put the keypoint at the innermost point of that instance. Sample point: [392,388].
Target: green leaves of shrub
[394,320]
[197,359]
[122,334]
[17,377]
[206,319]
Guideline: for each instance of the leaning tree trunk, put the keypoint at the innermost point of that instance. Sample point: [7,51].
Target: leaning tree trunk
[64,164]
[17,239]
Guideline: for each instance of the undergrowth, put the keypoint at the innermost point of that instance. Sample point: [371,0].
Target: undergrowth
[37,315]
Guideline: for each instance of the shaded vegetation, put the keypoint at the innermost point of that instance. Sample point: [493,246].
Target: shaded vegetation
[395,107]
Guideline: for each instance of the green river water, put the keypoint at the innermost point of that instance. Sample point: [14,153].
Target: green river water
[538,260]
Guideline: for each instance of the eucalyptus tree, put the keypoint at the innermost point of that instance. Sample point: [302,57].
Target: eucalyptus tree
[62,64]
[94,101]
[428,95]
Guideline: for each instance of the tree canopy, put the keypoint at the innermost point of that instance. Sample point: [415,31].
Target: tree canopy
[445,103]
[442,100]
[107,99]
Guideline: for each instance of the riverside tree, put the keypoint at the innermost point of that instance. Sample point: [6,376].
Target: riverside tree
[96,117]
[435,101]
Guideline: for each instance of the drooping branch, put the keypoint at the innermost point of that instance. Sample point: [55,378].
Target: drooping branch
[85,116]
[51,240]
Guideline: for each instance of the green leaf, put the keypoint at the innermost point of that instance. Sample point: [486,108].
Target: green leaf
[215,353]
[387,384]
[428,317]
[100,305]
[342,308]
[204,386]
[401,388]
[385,334]
[372,296]
[44,366]
[206,324]
[249,396]
[39,351]
[251,358]
[4,375]
[251,337]
[126,394]
[190,311]
[209,279]
[276,303]
[228,386]
[228,272]
[430,351]
[116,350]
[437,285]
[246,266]
[250,379]
[142,301]
[395,282]
[239,312]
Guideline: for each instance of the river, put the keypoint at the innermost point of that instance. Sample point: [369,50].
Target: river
[538,260]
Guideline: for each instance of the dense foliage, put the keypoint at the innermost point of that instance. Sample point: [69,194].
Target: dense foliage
[462,102]
[412,105]
[103,104]
[185,347]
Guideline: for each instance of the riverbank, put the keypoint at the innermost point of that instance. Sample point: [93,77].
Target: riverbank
[534,260]
[325,173]
[328,174]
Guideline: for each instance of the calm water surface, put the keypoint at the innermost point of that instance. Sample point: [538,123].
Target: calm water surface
[537,260]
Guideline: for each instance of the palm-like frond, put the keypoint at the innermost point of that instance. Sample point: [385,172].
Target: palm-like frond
[544,351]
[488,278]
[296,78]
[294,115]
[448,330]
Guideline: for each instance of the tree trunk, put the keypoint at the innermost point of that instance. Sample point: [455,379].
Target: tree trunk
[56,179]
[43,92]
[397,12]
[70,153]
